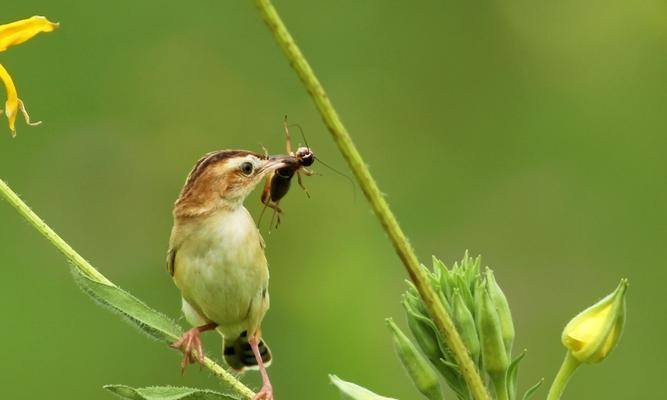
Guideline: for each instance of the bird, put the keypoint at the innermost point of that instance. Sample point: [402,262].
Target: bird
[216,259]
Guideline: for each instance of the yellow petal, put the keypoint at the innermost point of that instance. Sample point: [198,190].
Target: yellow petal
[587,329]
[12,103]
[18,32]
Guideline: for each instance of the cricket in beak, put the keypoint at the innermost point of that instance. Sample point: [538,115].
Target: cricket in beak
[278,162]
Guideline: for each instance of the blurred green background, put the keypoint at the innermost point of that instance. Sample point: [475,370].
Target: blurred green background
[530,132]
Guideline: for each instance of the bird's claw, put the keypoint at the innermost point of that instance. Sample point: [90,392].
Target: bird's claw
[190,345]
[265,393]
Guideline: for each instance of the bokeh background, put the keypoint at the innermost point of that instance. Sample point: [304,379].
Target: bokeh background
[530,132]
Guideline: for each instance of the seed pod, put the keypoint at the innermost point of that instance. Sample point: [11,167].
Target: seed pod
[504,314]
[423,375]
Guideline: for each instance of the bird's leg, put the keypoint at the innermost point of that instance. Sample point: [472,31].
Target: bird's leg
[190,344]
[266,392]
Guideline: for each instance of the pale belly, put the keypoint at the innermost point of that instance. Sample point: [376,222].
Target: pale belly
[222,272]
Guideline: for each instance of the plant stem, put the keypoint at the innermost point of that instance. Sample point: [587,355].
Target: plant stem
[41,226]
[90,271]
[374,196]
[229,379]
[500,385]
[565,372]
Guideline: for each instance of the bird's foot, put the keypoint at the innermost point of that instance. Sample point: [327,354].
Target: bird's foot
[265,393]
[190,345]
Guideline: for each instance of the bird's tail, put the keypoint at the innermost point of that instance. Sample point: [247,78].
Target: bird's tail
[238,353]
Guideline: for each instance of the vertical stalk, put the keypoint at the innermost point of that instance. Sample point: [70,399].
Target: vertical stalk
[373,194]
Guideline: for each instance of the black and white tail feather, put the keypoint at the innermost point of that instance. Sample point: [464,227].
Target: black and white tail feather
[239,356]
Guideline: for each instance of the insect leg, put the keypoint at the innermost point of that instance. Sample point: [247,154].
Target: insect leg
[276,215]
[288,138]
[300,181]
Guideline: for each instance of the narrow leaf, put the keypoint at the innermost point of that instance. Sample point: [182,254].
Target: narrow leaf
[351,391]
[132,309]
[532,389]
[166,393]
[513,375]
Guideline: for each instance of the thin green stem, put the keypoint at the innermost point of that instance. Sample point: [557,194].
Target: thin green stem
[500,386]
[84,266]
[228,378]
[41,226]
[570,364]
[372,192]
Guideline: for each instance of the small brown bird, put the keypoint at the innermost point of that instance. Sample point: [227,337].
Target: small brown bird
[216,258]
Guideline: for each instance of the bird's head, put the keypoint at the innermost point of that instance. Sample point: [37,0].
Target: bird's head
[223,179]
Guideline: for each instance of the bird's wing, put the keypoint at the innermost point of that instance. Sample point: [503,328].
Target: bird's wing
[171,261]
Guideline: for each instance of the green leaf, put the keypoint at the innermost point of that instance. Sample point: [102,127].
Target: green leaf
[129,307]
[532,389]
[513,375]
[351,391]
[166,393]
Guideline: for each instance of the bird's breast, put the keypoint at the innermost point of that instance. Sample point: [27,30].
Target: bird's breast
[220,265]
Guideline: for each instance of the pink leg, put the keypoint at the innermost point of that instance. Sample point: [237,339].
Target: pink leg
[266,393]
[190,344]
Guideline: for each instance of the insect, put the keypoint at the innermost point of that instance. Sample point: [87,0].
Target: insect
[278,183]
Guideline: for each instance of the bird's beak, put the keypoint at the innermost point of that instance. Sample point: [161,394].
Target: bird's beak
[278,162]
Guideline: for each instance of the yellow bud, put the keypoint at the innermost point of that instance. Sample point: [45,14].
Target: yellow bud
[591,335]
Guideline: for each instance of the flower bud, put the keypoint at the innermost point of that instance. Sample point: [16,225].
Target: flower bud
[504,315]
[424,332]
[465,324]
[494,355]
[591,335]
[432,345]
[446,278]
[423,375]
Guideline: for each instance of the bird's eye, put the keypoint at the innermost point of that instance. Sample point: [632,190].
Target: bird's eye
[247,168]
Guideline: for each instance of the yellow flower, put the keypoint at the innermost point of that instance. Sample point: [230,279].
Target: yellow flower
[12,34]
[591,335]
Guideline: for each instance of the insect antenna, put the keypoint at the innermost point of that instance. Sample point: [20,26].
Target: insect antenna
[303,136]
[352,184]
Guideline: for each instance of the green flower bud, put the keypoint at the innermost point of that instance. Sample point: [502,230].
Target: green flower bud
[494,355]
[422,373]
[465,324]
[424,332]
[471,269]
[504,315]
[446,278]
[593,334]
